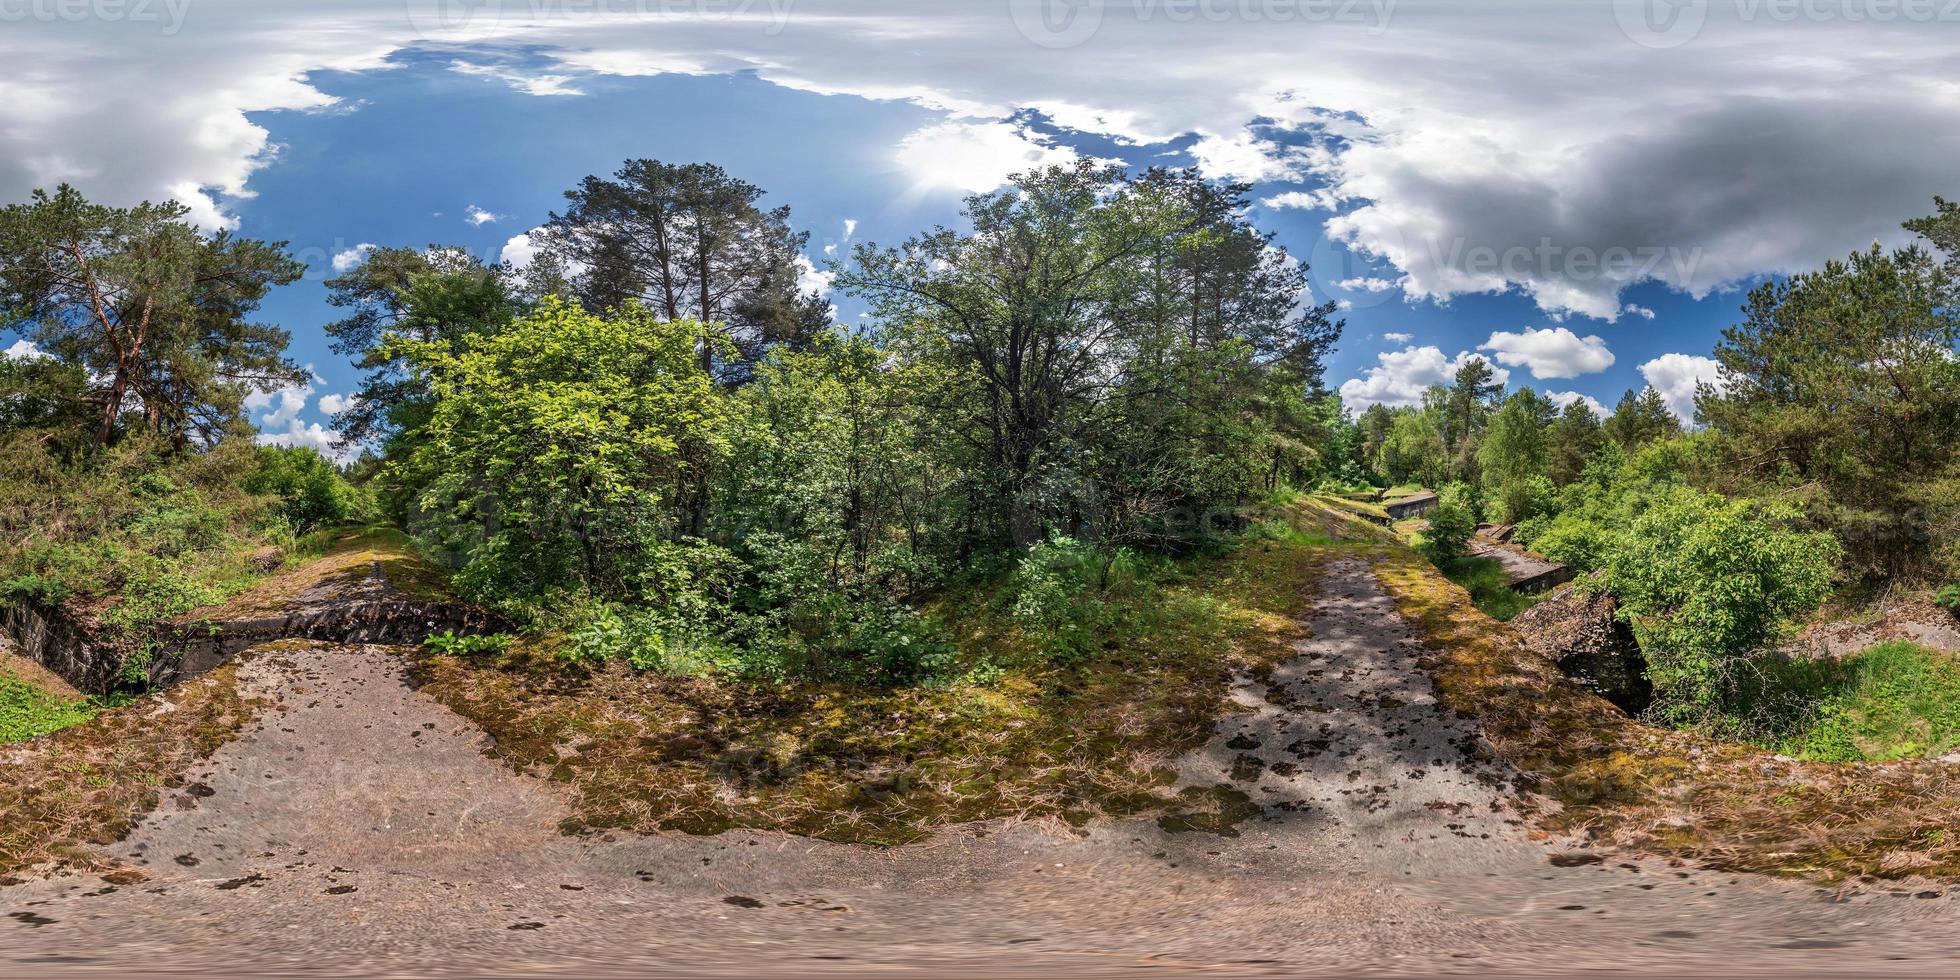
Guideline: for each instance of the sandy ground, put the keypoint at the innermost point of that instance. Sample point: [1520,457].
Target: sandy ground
[359,830]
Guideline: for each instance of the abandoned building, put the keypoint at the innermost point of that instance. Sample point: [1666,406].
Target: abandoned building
[1407,507]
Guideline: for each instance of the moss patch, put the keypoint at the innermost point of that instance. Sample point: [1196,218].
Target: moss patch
[27,710]
[1023,737]
[90,784]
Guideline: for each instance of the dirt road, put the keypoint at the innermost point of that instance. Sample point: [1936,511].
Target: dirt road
[360,830]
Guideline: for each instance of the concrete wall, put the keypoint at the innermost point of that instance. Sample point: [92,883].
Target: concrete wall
[58,642]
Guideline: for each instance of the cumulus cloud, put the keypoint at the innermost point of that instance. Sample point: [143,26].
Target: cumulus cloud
[478,217]
[1302,200]
[277,414]
[519,250]
[1454,148]
[24,350]
[309,435]
[1243,156]
[1564,398]
[349,258]
[1675,377]
[1638,310]
[281,407]
[975,156]
[810,279]
[1555,352]
[1400,377]
[336,404]
[1398,338]
[1367,284]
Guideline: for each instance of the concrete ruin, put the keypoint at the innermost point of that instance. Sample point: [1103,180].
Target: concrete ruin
[1411,506]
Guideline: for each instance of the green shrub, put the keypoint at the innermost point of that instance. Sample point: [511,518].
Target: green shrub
[1451,525]
[1893,701]
[1948,599]
[311,491]
[1707,585]
[1060,594]
[447,642]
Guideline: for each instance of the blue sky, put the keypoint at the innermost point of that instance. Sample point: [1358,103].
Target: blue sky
[420,146]
[1570,190]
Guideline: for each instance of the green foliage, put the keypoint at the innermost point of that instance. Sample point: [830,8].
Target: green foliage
[1842,386]
[1948,598]
[563,449]
[1640,418]
[311,490]
[26,711]
[1895,700]
[1452,523]
[1707,584]
[472,645]
[1489,586]
[1060,592]
[139,534]
[145,316]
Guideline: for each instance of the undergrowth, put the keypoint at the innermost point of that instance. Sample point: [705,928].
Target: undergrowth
[1896,700]
[27,711]
[1074,682]
[1489,586]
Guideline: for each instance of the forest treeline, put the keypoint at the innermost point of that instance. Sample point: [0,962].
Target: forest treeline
[651,440]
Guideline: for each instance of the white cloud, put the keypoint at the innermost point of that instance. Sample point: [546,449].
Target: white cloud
[1675,377]
[850,228]
[335,404]
[281,407]
[529,84]
[24,350]
[478,217]
[1555,352]
[1443,139]
[1398,338]
[810,279]
[349,258]
[1367,284]
[310,435]
[1638,310]
[1402,376]
[1564,398]
[975,156]
[279,423]
[1302,200]
[519,250]
[1246,157]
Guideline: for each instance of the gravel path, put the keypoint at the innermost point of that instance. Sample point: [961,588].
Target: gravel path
[360,830]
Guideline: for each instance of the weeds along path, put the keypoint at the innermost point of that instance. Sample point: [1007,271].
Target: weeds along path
[359,829]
